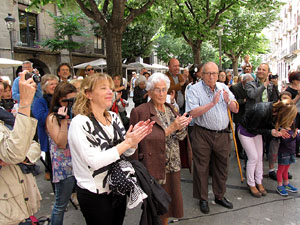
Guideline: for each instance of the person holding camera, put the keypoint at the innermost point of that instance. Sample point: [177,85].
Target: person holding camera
[28,66]
[96,138]
[40,111]
[17,193]
[57,124]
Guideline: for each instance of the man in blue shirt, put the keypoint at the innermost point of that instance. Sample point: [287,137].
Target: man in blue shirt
[27,65]
[208,102]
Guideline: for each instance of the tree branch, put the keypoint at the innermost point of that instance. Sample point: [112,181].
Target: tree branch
[219,13]
[187,39]
[95,16]
[135,12]
[105,6]
[182,12]
[190,8]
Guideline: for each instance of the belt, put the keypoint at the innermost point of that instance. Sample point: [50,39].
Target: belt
[215,131]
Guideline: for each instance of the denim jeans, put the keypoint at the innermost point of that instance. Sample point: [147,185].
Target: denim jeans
[63,191]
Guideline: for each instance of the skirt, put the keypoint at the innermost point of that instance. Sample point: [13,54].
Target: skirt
[173,187]
[286,158]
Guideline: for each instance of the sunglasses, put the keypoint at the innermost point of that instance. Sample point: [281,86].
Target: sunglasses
[89,69]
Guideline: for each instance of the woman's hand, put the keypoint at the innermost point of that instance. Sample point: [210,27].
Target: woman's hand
[27,90]
[179,123]
[118,95]
[135,134]
[282,133]
[63,111]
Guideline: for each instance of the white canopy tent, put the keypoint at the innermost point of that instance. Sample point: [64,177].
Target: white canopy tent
[6,63]
[98,63]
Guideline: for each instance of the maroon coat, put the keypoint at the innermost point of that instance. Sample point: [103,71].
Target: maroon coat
[151,150]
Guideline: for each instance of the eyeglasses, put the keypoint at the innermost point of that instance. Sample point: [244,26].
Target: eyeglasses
[89,69]
[211,73]
[158,91]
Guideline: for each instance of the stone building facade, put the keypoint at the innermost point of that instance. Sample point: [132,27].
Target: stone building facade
[284,36]
[30,28]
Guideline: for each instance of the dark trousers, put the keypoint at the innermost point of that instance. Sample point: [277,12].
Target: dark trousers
[208,146]
[104,209]
[238,143]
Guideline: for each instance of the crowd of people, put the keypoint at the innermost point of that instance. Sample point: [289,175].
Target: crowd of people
[178,121]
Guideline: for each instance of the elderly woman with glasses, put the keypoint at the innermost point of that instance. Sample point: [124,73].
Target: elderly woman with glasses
[160,151]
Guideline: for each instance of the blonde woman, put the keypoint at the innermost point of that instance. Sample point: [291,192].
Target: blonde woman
[94,150]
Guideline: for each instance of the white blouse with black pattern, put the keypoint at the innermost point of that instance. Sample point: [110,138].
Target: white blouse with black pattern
[91,153]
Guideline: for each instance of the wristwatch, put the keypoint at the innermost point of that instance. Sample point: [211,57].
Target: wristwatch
[228,103]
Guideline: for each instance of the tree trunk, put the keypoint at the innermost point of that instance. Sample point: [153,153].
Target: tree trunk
[235,65]
[196,48]
[113,38]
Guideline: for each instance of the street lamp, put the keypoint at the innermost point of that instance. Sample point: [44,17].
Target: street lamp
[10,21]
[220,33]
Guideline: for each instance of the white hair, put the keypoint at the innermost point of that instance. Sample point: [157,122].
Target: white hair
[140,79]
[155,78]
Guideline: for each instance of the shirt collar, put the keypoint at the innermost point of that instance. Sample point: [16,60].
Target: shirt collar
[208,90]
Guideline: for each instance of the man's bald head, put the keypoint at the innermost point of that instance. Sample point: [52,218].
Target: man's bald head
[174,66]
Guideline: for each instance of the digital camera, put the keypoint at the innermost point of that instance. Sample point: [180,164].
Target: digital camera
[70,102]
[36,77]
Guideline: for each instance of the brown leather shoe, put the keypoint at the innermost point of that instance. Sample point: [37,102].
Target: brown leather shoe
[254,192]
[261,189]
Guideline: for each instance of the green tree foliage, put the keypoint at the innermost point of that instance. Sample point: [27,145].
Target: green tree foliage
[66,26]
[242,31]
[167,46]
[139,36]
[196,21]
[113,17]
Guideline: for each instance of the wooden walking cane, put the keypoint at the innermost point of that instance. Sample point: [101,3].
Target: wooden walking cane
[235,145]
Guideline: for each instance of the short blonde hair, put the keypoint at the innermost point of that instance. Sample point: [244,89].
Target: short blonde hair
[82,104]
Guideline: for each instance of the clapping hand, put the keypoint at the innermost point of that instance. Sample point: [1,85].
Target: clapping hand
[181,122]
[136,133]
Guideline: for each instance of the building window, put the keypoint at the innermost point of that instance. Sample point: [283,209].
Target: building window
[28,28]
[98,45]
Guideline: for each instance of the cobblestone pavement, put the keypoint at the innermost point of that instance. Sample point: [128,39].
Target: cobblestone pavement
[272,209]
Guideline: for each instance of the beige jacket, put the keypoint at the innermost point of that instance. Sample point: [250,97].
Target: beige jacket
[14,145]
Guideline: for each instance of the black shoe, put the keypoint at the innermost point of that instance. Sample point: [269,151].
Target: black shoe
[290,176]
[204,206]
[224,202]
[273,175]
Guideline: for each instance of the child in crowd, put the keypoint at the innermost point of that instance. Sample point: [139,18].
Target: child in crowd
[274,145]
[286,156]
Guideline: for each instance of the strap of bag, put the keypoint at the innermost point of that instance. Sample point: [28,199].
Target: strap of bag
[98,129]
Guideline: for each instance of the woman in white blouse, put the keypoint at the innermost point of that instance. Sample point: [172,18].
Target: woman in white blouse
[93,151]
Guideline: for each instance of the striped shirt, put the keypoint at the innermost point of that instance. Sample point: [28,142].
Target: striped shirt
[200,94]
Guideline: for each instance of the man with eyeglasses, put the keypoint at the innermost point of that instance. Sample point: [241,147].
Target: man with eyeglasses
[178,83]
[208,102]
[89,70]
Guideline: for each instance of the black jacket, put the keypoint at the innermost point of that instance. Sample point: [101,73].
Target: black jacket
[240,96]
[158,200]
[258,119]
[138,96]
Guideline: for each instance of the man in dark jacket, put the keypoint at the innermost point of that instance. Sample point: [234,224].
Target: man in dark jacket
[263,90]
[241,97]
